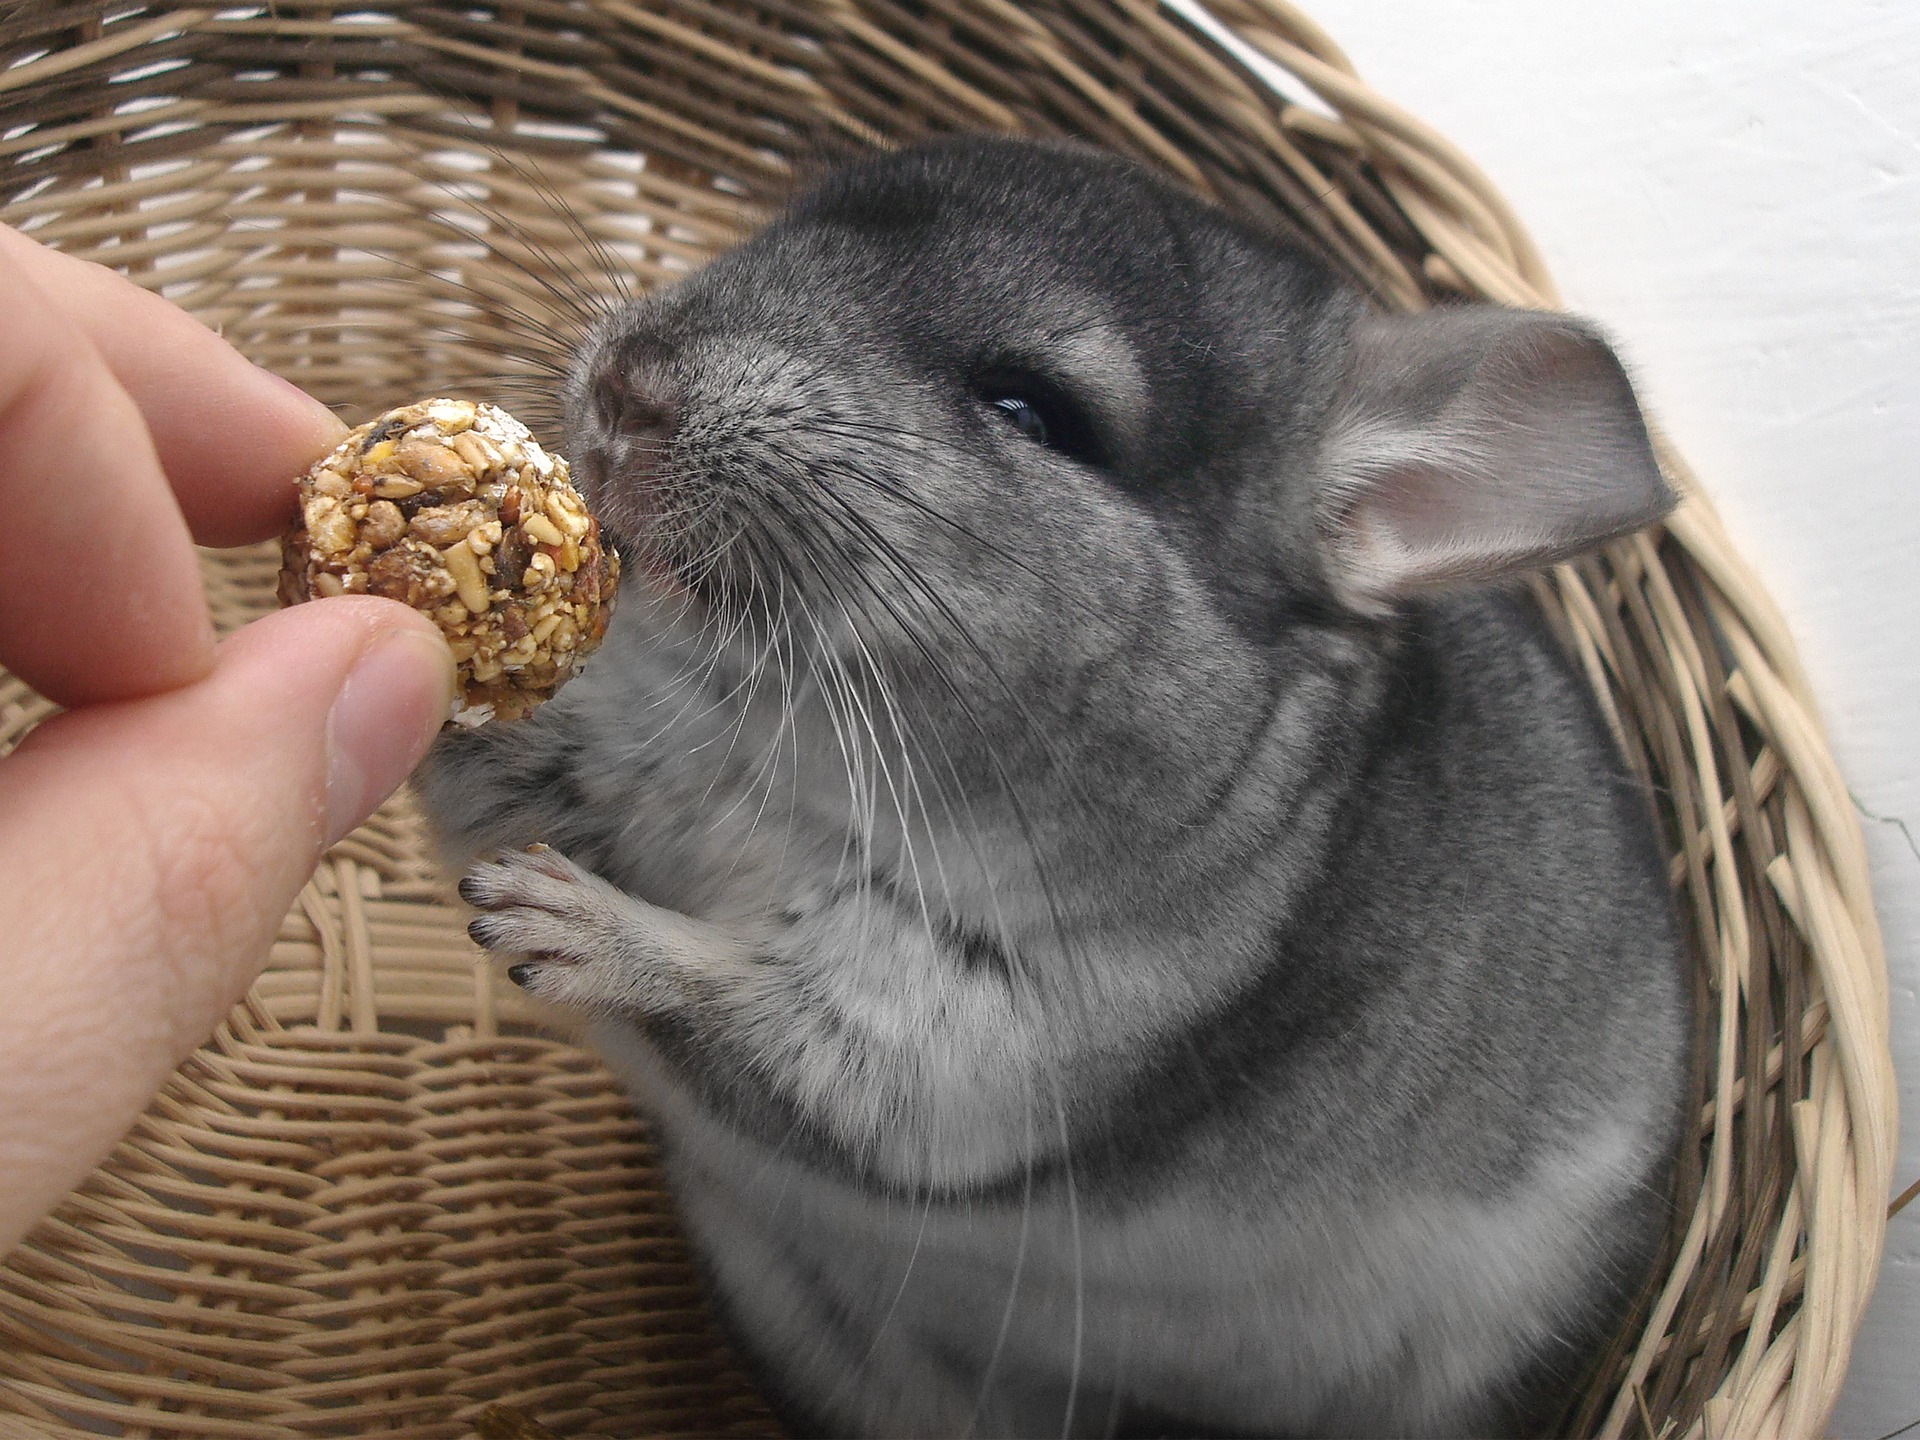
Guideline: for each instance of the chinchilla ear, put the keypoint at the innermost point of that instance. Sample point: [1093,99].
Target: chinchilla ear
[1472,442]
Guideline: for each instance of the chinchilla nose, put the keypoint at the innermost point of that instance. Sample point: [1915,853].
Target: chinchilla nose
[639,401]
[624,456]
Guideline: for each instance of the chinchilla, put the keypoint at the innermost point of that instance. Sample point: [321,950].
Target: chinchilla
[1121,923]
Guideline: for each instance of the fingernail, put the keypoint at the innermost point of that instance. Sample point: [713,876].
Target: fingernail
[320,412]
[393,704]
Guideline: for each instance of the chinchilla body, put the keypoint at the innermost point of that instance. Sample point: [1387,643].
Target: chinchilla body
[1121,923]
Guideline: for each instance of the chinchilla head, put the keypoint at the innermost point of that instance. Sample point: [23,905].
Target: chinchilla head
[1054,485]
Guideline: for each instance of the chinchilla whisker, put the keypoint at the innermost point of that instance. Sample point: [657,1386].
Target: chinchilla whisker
[739,702]
[787,731]
[780,665]
[704,569]
[706,521]
[762,778]
[910,748]
[577,296]
[780,619]
[830,682]
[820,557]
[908,736]
[697,677]
[545,366]
[886,1318]
[532,383]
[1034,849]
[855,846]
[743,686]
[758,600]
[895,789]
[861,789]
[528,329]
[866,764]
[898,493]
[849,518]
[496,318]
[612,266]
[833,568]
[532,400]
[884,551]
[459,187]
[992,1366]
[756,676]
[1079,1266]
[766,775]
[535,380]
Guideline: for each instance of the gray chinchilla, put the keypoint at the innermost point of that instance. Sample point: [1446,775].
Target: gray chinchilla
[1120,927]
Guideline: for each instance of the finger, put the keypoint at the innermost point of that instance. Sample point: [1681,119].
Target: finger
[230,436]
[149,849]
[100,594]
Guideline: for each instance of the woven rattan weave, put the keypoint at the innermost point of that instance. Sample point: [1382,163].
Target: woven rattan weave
[384,1196]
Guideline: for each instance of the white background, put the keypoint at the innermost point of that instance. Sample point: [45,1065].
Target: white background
[1733,188]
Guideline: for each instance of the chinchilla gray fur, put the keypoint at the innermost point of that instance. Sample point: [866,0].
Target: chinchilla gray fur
[1121,922]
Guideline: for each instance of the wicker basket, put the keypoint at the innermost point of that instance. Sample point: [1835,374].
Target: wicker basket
[382,1197]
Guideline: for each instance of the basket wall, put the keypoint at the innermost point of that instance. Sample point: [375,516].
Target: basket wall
[382,1196]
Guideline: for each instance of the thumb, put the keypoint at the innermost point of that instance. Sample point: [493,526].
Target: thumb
[149,849]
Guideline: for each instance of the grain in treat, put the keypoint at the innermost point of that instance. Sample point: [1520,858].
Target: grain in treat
[452,507]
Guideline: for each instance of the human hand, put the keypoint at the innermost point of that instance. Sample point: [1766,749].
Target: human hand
[152,837]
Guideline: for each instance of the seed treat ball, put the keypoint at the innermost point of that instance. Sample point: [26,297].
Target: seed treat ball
[453,508]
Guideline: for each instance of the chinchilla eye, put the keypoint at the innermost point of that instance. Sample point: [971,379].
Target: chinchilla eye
[1026,417]
[1043,412]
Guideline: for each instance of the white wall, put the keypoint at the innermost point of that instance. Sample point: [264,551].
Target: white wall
[1733,187]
